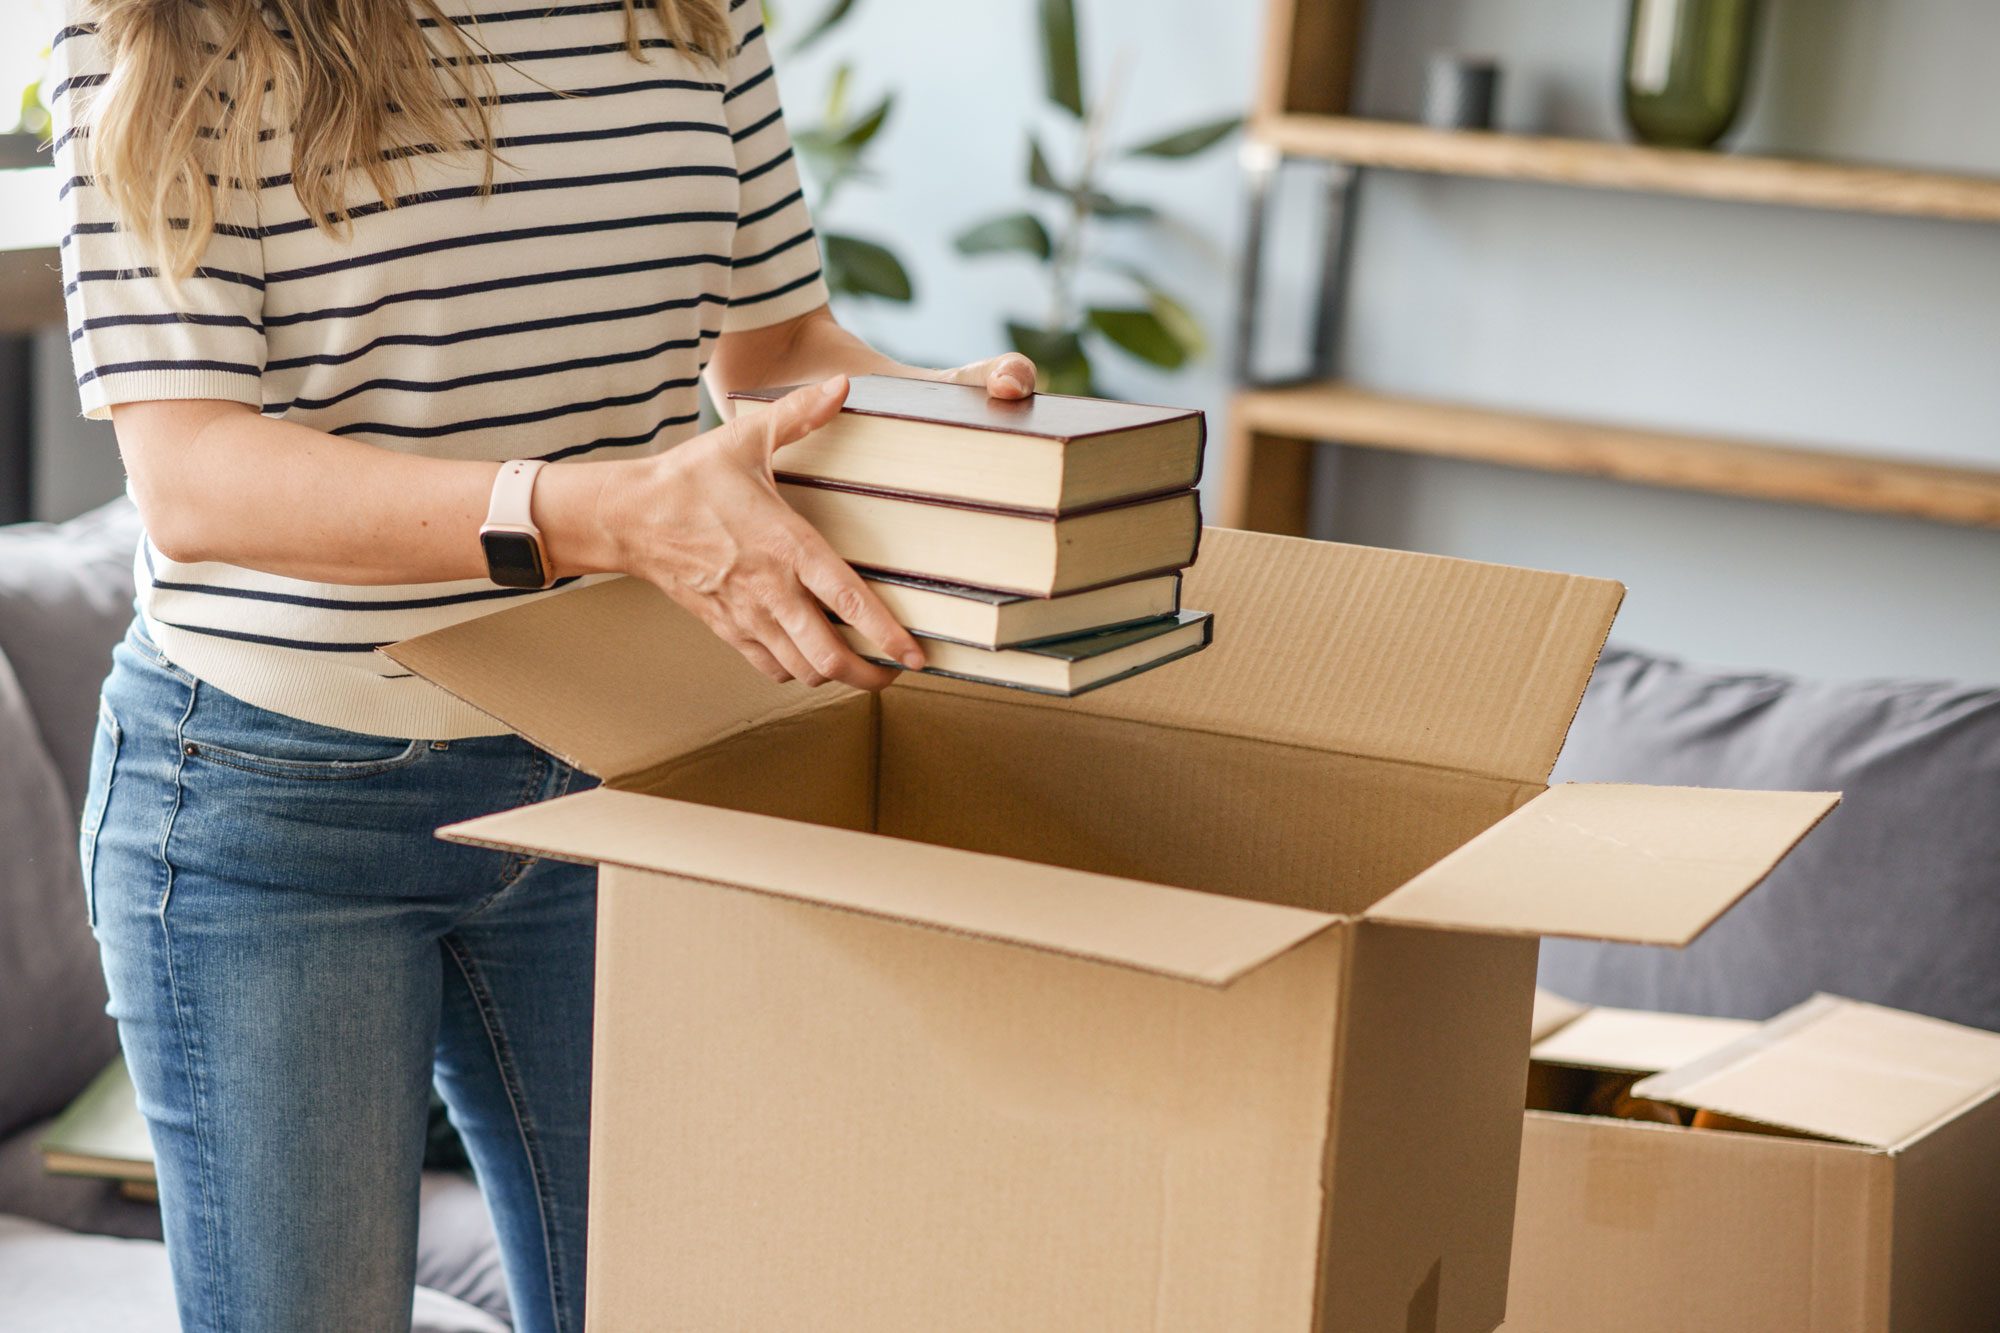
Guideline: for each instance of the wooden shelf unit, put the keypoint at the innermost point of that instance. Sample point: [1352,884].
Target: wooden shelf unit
[1270,424]
[1301,112]
[1621,166]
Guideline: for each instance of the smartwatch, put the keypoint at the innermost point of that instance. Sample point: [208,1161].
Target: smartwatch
[515,556]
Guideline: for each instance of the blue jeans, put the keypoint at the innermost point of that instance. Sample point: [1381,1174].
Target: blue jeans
[293,958]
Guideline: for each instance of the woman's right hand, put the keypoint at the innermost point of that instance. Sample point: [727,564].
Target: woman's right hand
[706,525]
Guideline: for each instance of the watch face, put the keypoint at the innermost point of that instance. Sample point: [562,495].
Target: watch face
[513,559]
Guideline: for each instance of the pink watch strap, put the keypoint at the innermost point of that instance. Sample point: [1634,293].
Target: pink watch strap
[512,505]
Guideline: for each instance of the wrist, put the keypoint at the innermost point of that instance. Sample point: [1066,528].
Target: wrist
[570,510]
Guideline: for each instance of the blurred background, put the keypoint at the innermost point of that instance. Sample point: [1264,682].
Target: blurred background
[1831,329]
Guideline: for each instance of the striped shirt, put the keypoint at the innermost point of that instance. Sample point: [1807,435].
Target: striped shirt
[640,208]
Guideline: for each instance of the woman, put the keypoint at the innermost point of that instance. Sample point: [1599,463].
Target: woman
[330,264]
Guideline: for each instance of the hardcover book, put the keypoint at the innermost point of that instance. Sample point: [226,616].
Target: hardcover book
[1063,666]
[1011,550]
[982,618]
[1050,452]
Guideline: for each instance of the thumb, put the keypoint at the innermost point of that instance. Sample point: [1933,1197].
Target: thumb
[798,414]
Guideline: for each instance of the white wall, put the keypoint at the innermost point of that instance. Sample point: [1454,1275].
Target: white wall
[1832,330]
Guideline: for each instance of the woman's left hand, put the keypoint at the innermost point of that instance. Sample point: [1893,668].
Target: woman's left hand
[1009,375]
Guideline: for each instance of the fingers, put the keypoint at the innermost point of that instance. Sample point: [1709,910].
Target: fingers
[842,592]
[1009,375]
[826,654]
[792,418]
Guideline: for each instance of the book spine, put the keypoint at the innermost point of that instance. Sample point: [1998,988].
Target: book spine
[982,506]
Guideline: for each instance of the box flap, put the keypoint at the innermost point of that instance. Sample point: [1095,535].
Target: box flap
[1383,654]
[1645,865]
[603,676]
[1843,1070]
[1200,937]
[1632,1041]
[1553,1013]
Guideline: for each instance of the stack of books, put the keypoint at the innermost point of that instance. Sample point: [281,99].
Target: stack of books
[1035,544]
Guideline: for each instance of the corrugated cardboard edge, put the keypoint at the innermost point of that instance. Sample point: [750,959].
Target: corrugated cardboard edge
[1678,1086]
[1465,891]
[660,836]
[433,655]
[1635,1041]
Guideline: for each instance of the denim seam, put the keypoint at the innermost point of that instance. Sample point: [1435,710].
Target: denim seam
[519,862]
[307,770]
[496,1039]
[215,1290]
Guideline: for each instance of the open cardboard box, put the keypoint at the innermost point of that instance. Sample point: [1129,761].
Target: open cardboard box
[1862,1194]
[1201,1002]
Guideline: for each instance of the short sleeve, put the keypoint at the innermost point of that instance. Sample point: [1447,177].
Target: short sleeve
[775,263]
[132,338]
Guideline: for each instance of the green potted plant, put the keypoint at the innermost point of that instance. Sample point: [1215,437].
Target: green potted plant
[1057,230]
[833,153]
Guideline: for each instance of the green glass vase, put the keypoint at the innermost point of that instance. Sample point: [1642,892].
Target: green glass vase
[1687,67]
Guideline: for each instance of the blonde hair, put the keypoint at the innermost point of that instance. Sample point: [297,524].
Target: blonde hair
[196,84]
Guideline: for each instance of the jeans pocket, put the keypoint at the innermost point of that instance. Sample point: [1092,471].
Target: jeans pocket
[97,795]
[225,730]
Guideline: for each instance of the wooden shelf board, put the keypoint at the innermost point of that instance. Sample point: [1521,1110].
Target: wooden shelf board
[1330,411]
[1620,166]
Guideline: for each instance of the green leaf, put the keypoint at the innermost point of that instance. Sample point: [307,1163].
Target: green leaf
[828,21]
[1188,142]
[1099,204]
[1061,365]
[1178,321]
[856,136]
[1059,55]
[836,93]
[1022,232]
[863,268]
[1141,333]
[1039,174]
[1177,318]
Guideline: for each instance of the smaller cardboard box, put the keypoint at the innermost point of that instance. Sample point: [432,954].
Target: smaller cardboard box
[1198,1003]
[1858,1192]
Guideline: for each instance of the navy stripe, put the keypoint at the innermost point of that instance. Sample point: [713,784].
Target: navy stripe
[751,261]
[494,285]
[126,274]
[564,321]
[746,177]
[556,12]
[116,321]
[622,441]
[273,641]
[498,376]
[129,367]
[73,30]
[747,84]
[175,224]
[398,430]
[603,90]
[478,238]
[458,192]
[740,135]
[549,53]
[341,604]
[791,286]
[75,81]
[751,219]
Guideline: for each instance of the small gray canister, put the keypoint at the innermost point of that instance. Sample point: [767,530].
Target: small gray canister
[1459,91]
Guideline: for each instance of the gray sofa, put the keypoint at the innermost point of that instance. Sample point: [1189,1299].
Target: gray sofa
[75,1254]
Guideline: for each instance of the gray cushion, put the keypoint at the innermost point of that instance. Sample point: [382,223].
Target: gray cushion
[55,1282]
[65,599]
[1894,899]
[54,1035]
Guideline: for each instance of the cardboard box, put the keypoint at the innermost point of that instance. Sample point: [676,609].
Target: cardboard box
[1863,1196]
[1201,1002]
